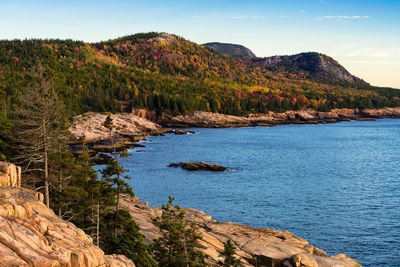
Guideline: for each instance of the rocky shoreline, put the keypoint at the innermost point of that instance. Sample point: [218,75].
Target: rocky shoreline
[131,128]
[215,120]
[255,246]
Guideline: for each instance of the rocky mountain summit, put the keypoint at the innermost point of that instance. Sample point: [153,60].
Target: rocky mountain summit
[231,50]
[32,235]
[313,65]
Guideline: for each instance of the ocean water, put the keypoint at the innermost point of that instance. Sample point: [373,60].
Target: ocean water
[335,185]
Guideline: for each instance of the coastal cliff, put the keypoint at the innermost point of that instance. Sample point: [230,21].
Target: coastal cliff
[32,235]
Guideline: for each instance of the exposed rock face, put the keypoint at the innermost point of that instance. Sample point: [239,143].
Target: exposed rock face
[204,119]
[144,113]
[381,113]
[198,166]
[90,126]
[32,235]
[10,175]
[215,120]
[231,50]
[256,247]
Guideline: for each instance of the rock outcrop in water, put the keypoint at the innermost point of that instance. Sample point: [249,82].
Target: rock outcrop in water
[255,246]
[198,166]
[32,235]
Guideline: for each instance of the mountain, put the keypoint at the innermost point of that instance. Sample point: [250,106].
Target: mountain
[231,50]
[167,73]
[313,65]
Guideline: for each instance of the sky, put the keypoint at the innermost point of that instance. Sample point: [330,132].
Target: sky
[362,35]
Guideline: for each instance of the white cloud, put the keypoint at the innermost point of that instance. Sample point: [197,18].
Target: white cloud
[339,18]
[303,11]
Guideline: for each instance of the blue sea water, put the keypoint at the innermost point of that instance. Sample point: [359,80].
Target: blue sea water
[335,185]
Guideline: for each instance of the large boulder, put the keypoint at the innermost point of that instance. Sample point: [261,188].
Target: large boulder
[32,235]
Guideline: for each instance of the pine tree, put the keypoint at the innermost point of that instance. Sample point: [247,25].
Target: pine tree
[229,255]
[114,170]
[178,245]
[127,239]
[5,127]
[119,231]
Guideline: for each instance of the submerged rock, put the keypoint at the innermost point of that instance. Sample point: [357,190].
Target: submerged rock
[198,166]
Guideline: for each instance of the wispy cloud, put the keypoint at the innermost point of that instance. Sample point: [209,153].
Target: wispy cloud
[233,17]
[340,18]
[303,11]
[244,17]
[358,51]
[371,62]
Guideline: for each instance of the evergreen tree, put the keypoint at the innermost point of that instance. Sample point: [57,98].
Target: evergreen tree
[127,239]
[229,255]
[114,170]
[178,245]
[5,128]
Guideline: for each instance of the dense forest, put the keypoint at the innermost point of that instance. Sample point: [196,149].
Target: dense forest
[167,73]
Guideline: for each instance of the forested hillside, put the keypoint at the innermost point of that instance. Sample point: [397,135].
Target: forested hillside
[167,73]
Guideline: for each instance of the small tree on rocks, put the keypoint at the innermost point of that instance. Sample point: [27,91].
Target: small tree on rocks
[229,255]
[178,245]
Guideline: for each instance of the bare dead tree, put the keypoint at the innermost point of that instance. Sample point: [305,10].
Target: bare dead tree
[36,131]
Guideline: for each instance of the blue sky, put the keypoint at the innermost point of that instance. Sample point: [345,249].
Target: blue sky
[364,36]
